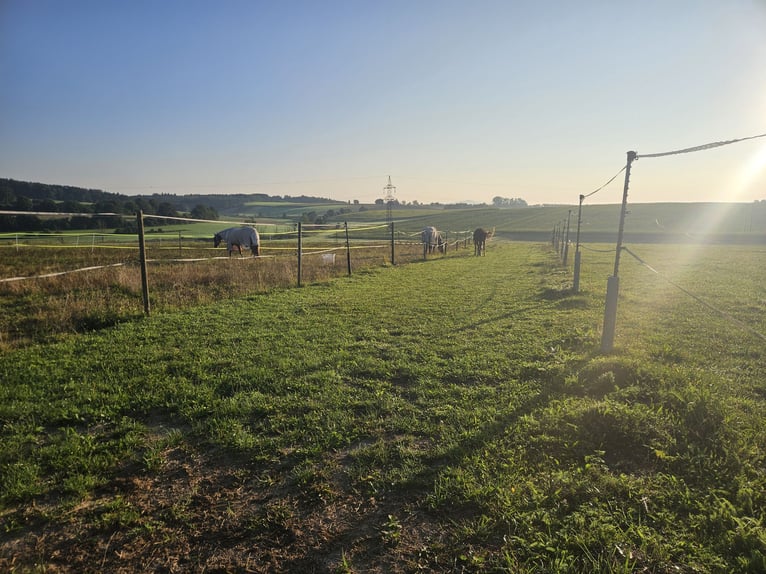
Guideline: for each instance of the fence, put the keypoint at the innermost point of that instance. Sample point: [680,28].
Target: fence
[560,241]
[96,278]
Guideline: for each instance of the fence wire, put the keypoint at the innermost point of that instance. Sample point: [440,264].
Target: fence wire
[699,147]
[317,234]
[607,183]
[586,248]
[713,308]
[58,273]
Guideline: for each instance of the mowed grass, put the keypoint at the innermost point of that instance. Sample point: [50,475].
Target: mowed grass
[452,415]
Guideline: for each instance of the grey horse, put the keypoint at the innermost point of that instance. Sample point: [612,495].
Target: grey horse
[239,237]
[433,240]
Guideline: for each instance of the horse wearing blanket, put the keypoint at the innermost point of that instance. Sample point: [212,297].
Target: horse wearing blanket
[433,240]
[239,237]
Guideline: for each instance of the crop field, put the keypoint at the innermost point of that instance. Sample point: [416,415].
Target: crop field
[448,415]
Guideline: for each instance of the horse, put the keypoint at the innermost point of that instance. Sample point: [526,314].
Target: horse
[239,237]
[433,240]
[480,237]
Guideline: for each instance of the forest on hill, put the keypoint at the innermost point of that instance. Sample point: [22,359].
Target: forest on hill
[80,202]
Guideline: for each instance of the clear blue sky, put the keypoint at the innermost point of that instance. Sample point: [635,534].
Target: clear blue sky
[455,100]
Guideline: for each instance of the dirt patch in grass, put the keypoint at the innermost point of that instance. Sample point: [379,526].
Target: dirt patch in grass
[200,513]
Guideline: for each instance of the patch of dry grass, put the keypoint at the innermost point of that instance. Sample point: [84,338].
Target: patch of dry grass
[75,302]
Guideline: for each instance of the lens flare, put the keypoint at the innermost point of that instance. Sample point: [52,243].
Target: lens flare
[747,178]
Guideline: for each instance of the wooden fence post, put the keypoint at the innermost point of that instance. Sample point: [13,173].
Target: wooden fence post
[348,250]
[393,261]
[300,253]
[142,257]
[566,239]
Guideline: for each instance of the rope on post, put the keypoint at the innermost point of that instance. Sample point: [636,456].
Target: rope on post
[702,147]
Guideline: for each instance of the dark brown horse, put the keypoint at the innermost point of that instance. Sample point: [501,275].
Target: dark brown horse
[480,237]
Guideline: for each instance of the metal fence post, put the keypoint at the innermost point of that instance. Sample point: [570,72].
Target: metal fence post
[613,284]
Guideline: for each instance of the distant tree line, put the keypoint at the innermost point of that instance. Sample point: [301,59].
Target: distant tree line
[314,217]
[235,201]
[496,202]
[40,197]
[80,202]
[508,202]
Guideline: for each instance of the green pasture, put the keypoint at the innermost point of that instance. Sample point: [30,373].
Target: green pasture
[289,208]
[452,415]
[658,222]
[649,222]
[695,219]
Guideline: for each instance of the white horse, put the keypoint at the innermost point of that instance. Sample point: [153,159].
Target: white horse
[239,237]
[432,240]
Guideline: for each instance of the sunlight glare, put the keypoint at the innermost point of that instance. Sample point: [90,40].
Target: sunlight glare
[746,182]
[746,178]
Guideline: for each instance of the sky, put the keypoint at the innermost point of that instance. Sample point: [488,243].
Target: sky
[453,100]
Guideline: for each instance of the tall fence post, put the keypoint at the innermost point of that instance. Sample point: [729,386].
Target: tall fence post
[613,283]
[576,283]
[348,250]
[393,262]
[561,240]
[566,239]
[576,279]
[300,253]
[142,257]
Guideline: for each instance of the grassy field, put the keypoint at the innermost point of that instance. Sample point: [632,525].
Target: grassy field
[39,309]
[185,270]
[452,415]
